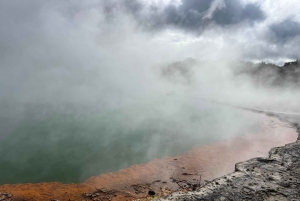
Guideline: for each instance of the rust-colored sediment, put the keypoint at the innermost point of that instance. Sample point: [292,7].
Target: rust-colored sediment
[209,161]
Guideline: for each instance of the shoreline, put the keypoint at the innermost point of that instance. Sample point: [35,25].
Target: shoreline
[275,177]
[162,175]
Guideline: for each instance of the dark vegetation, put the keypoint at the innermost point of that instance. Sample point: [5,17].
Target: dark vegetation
[268,74]
[260,74]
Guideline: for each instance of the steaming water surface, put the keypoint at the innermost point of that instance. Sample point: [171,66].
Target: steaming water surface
[47,143]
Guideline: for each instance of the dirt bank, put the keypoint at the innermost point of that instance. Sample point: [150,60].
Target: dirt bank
[167,174]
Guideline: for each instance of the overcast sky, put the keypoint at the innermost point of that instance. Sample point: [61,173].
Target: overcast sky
[66,50]
[249,29]
[257,30]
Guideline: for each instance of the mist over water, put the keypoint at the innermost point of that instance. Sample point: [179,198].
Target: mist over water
[72,146]
[93,87]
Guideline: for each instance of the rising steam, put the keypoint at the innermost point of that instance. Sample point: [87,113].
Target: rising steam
[92,87]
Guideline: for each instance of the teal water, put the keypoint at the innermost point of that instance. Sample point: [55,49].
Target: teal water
[72,146]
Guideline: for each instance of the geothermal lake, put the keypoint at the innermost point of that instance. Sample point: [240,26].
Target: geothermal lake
[70,143]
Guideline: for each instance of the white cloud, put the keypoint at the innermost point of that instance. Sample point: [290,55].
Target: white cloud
[277,10]
[215,5]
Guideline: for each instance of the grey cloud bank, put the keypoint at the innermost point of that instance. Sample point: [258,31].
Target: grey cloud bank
[286,29]
[194,15]
[260,30]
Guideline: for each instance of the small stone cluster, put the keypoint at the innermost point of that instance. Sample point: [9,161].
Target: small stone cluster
[5,196]
[100,195]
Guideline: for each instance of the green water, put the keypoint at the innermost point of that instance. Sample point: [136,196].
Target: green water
[72,147]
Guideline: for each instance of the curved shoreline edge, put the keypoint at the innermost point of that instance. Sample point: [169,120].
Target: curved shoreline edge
[276,177]
[134,182]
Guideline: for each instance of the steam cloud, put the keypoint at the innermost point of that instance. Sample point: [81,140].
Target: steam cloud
[110,80]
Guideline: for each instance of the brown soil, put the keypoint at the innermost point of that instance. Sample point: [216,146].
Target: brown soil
[164,175]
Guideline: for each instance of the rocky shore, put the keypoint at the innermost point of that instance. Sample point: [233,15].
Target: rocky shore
[276,177]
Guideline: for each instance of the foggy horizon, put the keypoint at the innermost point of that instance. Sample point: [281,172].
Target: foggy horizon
[98,85]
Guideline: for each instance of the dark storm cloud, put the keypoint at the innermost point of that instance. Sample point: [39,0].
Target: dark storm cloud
[195,15]
[286,29]
[235,13]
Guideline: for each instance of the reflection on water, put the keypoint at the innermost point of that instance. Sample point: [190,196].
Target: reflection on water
[72,146]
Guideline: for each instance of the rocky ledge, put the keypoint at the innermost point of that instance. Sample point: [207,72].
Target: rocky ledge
[274,178]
